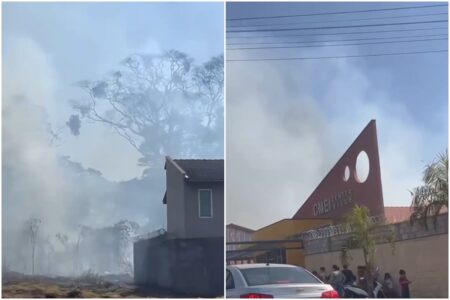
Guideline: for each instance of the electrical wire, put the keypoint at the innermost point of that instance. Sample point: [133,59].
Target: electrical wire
[334,57]
[337,27]
[335,21]
[330,41]
[337,13]
[333,45]
[336,33]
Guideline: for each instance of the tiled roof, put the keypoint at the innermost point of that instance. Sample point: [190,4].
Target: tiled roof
[396,214]
[202,170]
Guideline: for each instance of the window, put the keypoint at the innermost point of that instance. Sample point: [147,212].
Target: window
[277,275]
[230,281]
[205,204]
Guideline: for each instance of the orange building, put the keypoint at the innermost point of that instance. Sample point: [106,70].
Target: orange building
[288,251]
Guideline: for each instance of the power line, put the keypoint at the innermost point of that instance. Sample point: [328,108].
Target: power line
[337,13]
[336,27]
[329,41]
[336,33]
[335,21]
[334,45]
[334,57]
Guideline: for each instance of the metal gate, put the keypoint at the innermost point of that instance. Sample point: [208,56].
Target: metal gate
[267,251]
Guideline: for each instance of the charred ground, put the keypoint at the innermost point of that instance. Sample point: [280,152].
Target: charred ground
[89,285]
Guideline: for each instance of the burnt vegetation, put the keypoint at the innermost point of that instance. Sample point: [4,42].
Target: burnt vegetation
[64,223]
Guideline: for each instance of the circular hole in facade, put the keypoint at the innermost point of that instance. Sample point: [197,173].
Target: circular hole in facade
[362,167]
[346,173]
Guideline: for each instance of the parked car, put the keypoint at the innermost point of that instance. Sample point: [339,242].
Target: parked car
[274,281]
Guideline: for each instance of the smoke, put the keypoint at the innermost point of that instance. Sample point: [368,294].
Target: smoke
[289,122]
[276,142]
[32,185]
[65,196]
[85,221]
[30,165]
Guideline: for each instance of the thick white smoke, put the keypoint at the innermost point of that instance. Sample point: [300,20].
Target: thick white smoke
[28,86]
[38,183]
[288,122]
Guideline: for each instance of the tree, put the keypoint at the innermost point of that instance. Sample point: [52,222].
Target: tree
[33,225]
[364,234]
[63,239]
[125,230]
[430,198]
[83,231]
[49,252]
[161,104]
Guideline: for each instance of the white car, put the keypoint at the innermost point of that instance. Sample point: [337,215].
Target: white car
[274,281]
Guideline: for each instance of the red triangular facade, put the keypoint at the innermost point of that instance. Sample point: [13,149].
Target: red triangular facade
[334,197]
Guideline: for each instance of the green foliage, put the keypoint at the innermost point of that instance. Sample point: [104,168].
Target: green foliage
[432,196]
[390,237]
[362,228]
[365,235]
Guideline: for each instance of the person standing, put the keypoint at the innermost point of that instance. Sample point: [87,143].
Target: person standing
[323,275]
[388,286]
[349,276]
[337,280]
[404,284]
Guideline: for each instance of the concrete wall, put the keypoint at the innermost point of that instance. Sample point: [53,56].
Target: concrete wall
[423,254]
[204,227]
[194,267]
[175,201]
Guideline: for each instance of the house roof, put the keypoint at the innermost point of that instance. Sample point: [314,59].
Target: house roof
[202,170]
[396,214]
[231,225]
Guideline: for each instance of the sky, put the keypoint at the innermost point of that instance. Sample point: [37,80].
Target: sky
[288,122]
[85,41]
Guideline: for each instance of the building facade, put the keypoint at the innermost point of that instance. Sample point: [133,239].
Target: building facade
[238,234]
[187,257]
[316,225]
[194,198]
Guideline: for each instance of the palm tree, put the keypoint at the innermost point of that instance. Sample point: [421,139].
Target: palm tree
[430,198]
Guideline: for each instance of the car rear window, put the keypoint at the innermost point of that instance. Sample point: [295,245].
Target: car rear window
[277,275]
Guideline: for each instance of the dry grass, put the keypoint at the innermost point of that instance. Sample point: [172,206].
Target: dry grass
[88,285]
[55,290]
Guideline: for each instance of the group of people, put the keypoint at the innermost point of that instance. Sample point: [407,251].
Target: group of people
[340,278]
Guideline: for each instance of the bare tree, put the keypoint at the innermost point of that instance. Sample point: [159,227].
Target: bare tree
[161,104]
[50,252]
[125,230]
[63,239]
[209,81]
[83,231]
[33,225]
